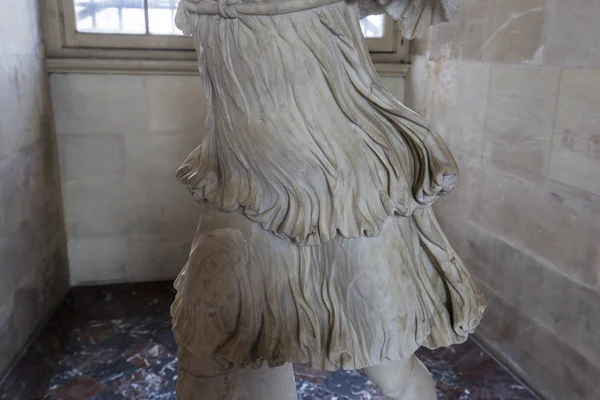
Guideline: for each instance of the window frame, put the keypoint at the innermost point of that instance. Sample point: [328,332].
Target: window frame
[384,44]
[68,50]
[76,39]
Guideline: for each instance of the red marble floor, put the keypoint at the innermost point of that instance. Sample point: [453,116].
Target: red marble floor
[114,342]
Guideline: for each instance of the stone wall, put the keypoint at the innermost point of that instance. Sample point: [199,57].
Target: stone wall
[514,88]
[33,266]
[121,138]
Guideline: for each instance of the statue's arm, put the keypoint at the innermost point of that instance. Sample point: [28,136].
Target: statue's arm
[414,15]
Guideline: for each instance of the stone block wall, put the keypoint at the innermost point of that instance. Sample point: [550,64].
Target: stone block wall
[513,86]
[33,265]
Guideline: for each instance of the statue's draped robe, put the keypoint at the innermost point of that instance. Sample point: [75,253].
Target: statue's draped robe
[318,243]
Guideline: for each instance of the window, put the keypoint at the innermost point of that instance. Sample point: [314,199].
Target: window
[121,24]
[155,17]
[372,26]
[144,32]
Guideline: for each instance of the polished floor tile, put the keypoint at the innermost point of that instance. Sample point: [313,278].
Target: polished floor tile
[115,342]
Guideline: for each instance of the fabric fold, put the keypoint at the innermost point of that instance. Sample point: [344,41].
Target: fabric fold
[310,144]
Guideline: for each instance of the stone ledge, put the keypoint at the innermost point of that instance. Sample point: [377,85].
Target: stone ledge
[163,67]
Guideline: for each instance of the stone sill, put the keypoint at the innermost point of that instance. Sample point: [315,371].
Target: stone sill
[164,67]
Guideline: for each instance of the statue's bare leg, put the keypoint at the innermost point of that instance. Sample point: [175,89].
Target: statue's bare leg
[248,384]
[403,380]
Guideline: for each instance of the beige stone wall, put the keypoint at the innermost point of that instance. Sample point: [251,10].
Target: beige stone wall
[514,88]
[121,138]
[33,266]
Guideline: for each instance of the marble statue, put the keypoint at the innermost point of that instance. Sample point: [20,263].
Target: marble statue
[317,242]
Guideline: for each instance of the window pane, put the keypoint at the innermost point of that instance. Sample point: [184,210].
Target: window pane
[84,23]
[161,15]
[128,16]
[110,16]
[372,26]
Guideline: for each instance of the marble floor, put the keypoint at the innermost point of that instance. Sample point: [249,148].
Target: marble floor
[114,342]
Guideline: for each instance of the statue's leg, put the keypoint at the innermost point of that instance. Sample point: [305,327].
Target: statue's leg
[247,384]
[403,380]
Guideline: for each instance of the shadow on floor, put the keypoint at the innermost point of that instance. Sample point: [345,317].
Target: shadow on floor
[115,342]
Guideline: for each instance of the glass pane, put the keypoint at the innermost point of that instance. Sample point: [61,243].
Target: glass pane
[110,16]
[372,26]
[161,16]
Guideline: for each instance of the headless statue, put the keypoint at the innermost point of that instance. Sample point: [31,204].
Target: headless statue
[317,242]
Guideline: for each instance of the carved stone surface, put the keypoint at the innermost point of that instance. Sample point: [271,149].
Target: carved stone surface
[318,244]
